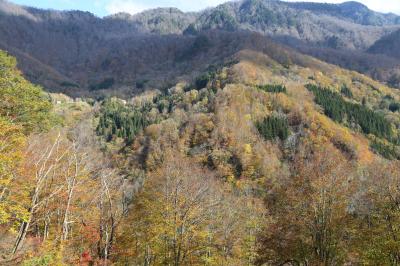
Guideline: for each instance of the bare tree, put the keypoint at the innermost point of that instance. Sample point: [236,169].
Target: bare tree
[43,163]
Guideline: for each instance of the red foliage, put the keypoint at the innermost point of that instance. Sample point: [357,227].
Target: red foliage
[86,259]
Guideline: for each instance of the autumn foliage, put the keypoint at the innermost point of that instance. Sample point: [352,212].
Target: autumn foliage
[228,170]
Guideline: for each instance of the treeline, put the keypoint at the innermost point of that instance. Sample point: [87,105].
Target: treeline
[343,111]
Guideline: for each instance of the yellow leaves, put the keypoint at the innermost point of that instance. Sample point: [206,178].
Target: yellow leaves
[323,80]
[191,96]
[248,160]
[284,102]
[200,128]
[247,149]
[153,131]
[12,142]
[183,207]
[21,101]
[251,72]
[12,213]
[50,253]
[325,131]
[231,179]
[173,212]
[4,214]
[204,101]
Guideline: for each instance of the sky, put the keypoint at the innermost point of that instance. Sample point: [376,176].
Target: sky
[106,7]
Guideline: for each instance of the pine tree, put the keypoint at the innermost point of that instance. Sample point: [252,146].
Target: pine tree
[273,127]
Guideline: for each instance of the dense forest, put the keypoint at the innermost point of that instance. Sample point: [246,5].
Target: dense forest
[342,111]
[251,163]
[209,138]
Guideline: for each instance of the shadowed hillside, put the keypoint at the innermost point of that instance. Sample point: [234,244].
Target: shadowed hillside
[78,53]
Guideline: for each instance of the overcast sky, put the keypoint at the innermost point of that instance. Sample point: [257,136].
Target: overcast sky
[107,7]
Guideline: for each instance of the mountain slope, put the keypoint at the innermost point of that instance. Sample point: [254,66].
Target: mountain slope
[348,25]
[244,136]
[155,48]
[388,45]
[352,11]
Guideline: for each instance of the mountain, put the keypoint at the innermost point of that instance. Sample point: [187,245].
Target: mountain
[159,20]
[388,45]
[228,142]
[351,11]
[347,25]
[227,158]
[78,53]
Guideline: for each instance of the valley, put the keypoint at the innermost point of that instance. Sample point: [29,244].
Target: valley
[244,134]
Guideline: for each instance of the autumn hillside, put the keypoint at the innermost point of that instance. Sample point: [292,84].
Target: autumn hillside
[78,53]
[269,157]
[274,140]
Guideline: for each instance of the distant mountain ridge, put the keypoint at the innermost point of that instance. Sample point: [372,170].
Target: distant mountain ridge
[388,45]
[353,11]
[265,16]
[83,50]
[346,25]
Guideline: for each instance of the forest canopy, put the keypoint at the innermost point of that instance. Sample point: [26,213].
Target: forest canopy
[21,102]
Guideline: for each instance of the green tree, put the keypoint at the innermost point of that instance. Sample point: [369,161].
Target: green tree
[342,111]
[20,101]
[272,88]
[273,127]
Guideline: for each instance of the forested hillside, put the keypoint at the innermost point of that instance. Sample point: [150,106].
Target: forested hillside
[79,54]
[199,138]
[53,177]
[387,45]
[216,170]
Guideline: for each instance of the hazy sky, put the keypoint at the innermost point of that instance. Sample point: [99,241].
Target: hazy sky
[106,7]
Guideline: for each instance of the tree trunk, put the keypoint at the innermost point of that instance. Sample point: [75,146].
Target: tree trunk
[21,235]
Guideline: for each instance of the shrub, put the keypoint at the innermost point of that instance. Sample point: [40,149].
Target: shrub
[202,81]
[386,150]
[394,107]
